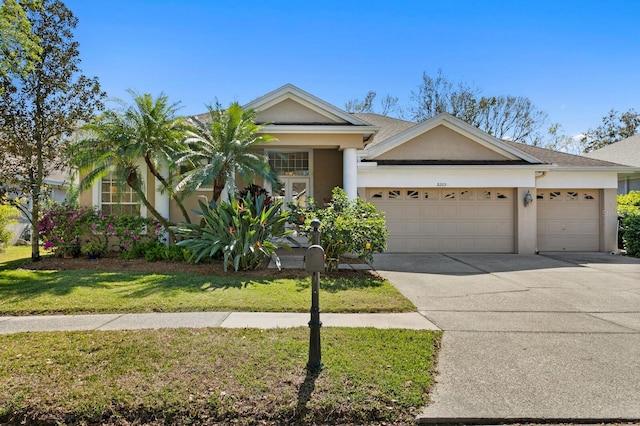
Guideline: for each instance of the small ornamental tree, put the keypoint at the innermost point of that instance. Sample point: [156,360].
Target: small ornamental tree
[348,226]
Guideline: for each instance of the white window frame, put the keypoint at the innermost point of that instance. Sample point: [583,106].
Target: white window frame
[268,186]
[96,190]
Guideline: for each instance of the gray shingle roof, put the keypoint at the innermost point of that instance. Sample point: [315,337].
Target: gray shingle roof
[562,159]
[626,151]
[388,126]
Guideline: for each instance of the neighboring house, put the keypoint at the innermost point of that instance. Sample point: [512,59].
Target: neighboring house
[444,185]
[627,152]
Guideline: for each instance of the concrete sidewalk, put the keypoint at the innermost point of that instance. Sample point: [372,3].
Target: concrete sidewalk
[17,324]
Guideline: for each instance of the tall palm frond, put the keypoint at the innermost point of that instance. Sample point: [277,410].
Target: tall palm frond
[224,145]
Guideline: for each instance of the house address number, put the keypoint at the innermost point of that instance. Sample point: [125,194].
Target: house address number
[441,184]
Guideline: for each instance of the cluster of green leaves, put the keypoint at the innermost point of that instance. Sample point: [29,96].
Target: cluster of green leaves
[7,217]
[18,44]
[153,251]
[631,234]
[629,213]
[348,226]
[245,231]
[629,204]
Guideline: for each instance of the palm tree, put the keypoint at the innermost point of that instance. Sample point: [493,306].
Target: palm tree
[117,140]
[160,135]
[223,145]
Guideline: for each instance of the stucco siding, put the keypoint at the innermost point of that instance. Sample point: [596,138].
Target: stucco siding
[327,167]
[291,112]
[441,143]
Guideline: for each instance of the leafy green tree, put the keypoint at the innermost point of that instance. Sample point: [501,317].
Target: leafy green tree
[41,108]
[224,144]
[117,140]
[615,127]
[19,45]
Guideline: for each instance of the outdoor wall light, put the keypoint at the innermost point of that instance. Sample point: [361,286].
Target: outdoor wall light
[528,199]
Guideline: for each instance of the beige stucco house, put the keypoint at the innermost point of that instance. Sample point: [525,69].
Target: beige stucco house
[444,185]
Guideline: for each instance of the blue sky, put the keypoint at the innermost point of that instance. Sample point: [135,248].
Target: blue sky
[574,59]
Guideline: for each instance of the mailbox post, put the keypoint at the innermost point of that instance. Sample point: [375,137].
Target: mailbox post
[314,263]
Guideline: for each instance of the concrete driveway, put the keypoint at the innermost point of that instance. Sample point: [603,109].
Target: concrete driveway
[528,338]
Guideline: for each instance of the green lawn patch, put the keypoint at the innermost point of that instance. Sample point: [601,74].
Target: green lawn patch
[212,376]
[25,292]
[12,253]
[108,289]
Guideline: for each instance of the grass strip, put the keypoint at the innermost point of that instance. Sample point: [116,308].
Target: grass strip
[211,376]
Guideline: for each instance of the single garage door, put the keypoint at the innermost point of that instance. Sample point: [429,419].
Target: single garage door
[447,219]
[568,219]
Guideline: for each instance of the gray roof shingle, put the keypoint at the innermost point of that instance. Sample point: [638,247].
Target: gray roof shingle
[626,151]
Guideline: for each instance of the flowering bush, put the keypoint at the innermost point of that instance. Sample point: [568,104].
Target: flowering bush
[63,227]
[348,226]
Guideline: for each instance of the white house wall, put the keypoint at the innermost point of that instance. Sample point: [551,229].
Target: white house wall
[438,176]
[570,179]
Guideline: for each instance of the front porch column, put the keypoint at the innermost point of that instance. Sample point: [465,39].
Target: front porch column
[162,200]
[350,172]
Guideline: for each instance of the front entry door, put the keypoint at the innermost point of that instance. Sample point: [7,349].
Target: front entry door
[295,190]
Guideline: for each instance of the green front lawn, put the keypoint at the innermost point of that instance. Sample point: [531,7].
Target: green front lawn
[206,376]
[213,376]
[28,292]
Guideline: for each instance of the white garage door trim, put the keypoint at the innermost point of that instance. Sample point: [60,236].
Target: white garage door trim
[568,219]
[455,220]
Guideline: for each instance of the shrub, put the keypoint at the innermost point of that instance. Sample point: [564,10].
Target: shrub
[7,217]
[63,225]
[348,226]
[246,232]
[631,234]
[629,204]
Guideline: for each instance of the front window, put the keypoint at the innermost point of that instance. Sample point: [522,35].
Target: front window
[114,202]
[290,163]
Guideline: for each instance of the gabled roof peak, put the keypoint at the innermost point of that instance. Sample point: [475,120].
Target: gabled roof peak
[289,91]
[457,125]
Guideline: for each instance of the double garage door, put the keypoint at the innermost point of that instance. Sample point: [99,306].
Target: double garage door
[474,220]
[481,220]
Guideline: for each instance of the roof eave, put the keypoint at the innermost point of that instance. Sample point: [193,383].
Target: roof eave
[322,129]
